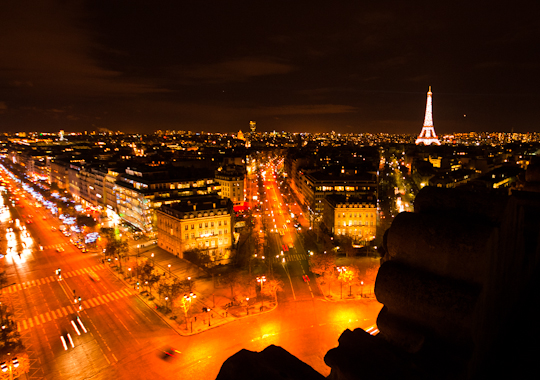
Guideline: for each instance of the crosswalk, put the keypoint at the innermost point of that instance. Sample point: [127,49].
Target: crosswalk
[67,310]
[53,278]
[296,257]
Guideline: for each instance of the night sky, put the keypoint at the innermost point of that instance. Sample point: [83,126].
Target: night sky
[298,66]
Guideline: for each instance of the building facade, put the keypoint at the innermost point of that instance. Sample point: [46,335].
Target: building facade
[59,174]
[203,223]
[140,192]
[353,216]
[317,186]
[231,181]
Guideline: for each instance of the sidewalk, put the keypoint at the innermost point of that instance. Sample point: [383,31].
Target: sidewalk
[213,297]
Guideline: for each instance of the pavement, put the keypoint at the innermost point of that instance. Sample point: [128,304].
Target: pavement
[210,295]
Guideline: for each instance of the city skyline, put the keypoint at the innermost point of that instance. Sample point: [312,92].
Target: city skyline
[347,68]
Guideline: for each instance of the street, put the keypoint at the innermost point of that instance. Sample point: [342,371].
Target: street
[122,337]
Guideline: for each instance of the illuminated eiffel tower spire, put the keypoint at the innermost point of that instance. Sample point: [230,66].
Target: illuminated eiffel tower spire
[427,135]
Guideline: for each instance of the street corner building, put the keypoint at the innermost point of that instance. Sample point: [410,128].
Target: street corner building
[199,222]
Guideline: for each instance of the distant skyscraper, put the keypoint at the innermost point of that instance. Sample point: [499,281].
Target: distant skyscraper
[428,136]
[61,135]
[252,126]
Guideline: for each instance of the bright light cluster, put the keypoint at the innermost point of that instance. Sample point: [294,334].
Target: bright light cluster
[427,135]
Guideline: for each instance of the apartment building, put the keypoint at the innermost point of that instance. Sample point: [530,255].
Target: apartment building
[355,216]
[141,191]
[204,223]
[231,180]
[316,186]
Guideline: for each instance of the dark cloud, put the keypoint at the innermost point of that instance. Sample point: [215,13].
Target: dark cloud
[318,109]
[236,70]
[359,66]
[44,47]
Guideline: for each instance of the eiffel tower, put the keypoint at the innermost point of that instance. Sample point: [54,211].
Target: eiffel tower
[428,136]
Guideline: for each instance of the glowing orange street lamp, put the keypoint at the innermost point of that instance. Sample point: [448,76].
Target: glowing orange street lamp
[186,304]
[261,280]
[341,270]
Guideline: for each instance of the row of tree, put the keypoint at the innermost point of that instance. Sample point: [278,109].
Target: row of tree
[10,339]
[324,265]
[240,283]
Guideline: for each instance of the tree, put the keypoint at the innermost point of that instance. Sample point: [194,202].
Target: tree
[148,275]
[348,276]
[346,243]
[271,286]
[171,288]
[85,220]
[115,246]
[322,263]
[197,257]
[369,279]
[10,339]
[240,284]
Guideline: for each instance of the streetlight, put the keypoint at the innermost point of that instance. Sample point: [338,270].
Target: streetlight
[10,366]
[169,265]
[341,270]
[207,310]
[362,289]
[189,279]
[247,305]
[152,255]
[262,280]
[129,270]
[186,304]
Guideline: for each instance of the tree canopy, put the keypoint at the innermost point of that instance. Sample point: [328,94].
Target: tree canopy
[322,263]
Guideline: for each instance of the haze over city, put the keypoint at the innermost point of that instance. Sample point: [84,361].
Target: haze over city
[299,67]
